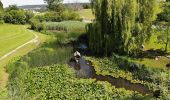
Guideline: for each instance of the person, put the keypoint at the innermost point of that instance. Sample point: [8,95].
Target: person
[77,56]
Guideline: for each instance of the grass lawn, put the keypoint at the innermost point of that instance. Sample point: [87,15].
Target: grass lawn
[12,36]
[21,35]
[153,44]
[86,13]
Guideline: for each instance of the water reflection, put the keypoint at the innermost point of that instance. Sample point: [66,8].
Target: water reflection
[85,70]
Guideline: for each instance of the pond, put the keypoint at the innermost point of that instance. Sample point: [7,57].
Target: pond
[85,70]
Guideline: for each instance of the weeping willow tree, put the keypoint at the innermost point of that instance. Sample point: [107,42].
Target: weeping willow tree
[1,5]
[121,26]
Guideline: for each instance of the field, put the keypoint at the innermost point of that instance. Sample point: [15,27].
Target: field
[86,14]
[12,36]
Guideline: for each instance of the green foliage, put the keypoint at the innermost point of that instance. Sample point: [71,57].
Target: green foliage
[55,5]
[86,6]
[52,16]
[48,56]
[117,66]
[121,26]
[29,15]
[12,7]
[1,17]
[59,82]
[37,25]
[164,38]
[1,6]
[165,15]
[15,17]
[122,67]
[70,15]
[68,26]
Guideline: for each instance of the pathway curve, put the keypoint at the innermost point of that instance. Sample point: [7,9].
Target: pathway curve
[13,51]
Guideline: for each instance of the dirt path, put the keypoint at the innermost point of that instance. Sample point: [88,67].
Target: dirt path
[13,51]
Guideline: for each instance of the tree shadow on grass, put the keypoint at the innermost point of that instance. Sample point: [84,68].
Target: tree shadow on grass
[152,54]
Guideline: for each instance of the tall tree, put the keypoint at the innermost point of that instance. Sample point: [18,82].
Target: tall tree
[121,26]
[55,5]
[1,5]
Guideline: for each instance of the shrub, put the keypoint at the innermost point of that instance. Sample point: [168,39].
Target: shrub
[29,15]
[37,25]
[70,15]
[1,17]
[165,15]
[52,16]
[15,17]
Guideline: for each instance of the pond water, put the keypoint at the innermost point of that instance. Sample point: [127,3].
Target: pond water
[85,70]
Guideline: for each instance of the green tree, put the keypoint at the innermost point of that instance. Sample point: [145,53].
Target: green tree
[55,5]
[12,7]
[165,14]
[29,15]
[15,17]
[1,5]
[164,38]
[121,26]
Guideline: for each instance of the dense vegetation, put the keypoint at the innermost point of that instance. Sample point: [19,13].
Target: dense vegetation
[165,14]
[121,26]
[42,74]
[123,67]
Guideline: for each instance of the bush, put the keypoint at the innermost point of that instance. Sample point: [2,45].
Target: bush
[15,17]
[37,25]
[57,17]
[70,15]
[29,15]
[165,15]
[52,16]
[1,17]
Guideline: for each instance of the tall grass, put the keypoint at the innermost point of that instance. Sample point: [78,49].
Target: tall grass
[68,26]
[48,56]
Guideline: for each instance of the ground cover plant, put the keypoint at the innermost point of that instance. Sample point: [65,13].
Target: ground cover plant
[58,82]
[121,67]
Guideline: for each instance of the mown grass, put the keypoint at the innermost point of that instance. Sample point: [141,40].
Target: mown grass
[12,36]
[154,45]
[22,51]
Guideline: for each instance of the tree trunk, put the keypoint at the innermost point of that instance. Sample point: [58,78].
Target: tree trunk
[166,47]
